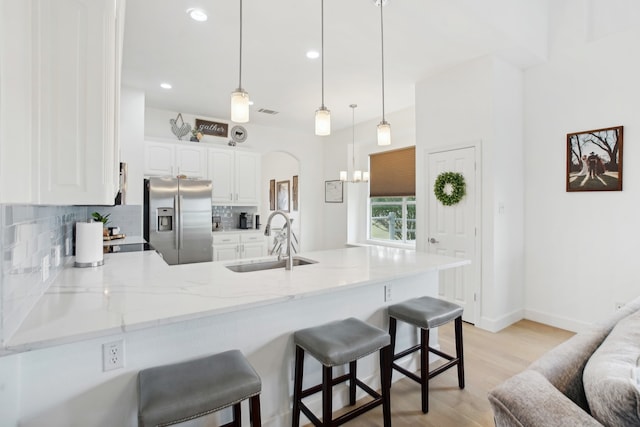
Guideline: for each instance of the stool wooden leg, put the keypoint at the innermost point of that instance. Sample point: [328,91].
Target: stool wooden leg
[237,415]
[327,397]
[386,359]
[424,368]
[297,387]
[459,351]
[392,332]
[353,368]
[254,411]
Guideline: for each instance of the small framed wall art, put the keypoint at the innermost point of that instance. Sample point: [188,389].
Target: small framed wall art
[272,194]
[594,160]
[333,191]
[294,195]
[283,195]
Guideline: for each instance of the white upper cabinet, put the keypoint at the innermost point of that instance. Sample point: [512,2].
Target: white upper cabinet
[170,159]
[222,175]
[77,57]
[235,176]
[59,88]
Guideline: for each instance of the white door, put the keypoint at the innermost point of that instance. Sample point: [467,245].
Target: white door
[452,229]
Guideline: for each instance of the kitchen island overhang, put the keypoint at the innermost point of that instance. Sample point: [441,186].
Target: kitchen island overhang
[139,290]
[166,314]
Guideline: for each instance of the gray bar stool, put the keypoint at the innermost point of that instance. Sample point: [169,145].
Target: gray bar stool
[183,391]
[427,313]
[337,343]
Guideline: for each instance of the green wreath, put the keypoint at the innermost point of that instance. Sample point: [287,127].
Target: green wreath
[449,188]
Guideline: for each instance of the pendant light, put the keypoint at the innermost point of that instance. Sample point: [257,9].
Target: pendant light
[358,175]
[384,128]
[323,115]
[240,98]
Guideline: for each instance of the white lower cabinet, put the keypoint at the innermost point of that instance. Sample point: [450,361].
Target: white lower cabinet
[232,246]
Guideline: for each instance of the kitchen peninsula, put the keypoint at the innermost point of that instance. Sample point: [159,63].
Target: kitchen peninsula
[167,313]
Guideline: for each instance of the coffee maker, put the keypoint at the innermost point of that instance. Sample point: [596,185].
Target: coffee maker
[243,221]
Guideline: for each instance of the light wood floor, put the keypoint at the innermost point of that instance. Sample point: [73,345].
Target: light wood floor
[489,359]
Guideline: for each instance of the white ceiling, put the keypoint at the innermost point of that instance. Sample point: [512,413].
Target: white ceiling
[200,60]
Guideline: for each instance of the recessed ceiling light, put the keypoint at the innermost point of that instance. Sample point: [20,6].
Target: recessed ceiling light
[165,86]
[197,14]
[313,54]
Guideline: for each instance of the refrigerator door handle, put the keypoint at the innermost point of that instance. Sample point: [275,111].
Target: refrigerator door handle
[178,219]
[181,232]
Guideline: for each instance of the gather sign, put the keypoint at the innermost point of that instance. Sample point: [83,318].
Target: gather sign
[212,128]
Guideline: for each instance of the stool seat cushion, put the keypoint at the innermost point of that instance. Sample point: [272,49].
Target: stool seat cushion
[342,341]
[425,312]
[183,391]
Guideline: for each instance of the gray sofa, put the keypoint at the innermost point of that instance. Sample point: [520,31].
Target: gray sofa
[551,392]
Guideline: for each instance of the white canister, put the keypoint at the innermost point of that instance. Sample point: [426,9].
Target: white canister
[89,244]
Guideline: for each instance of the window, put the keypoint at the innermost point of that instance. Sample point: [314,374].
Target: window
[393,219]
[392,196]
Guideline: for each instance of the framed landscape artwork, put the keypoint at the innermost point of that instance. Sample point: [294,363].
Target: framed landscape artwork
[594,160]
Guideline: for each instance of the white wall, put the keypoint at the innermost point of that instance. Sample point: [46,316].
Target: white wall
[481,100]
[132,142]
[347,222]
[279,166]
[304,146]
[581,246]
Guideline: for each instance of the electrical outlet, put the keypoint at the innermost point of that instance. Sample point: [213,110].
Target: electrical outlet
[113,355]
[45,268]
[387,292]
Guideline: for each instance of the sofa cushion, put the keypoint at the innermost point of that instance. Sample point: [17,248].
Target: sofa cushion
[610,381]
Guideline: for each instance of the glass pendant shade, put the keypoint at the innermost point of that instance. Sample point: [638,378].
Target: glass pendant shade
[240,106]
[343,175]
[357,176]
[365,176]
[323,121]
[384,133]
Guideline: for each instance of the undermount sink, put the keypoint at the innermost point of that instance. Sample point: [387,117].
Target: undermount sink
[267,265]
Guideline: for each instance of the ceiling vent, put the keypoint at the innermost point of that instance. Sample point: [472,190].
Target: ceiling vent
[267,111]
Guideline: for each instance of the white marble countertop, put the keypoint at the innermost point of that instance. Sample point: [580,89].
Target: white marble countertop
[138,290]
[127,240]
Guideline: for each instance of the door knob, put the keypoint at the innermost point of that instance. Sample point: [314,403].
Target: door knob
[433,240]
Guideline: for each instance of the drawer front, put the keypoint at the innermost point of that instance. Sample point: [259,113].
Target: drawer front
[225,239]
[252,237]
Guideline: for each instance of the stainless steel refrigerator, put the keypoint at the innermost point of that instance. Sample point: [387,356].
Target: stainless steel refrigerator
[177,219]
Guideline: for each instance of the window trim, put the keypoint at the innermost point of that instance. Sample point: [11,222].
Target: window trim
[404,244]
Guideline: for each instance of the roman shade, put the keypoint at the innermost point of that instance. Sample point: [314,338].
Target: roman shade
[393,173]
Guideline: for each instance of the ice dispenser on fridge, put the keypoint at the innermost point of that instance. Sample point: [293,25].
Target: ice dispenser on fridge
[165,219]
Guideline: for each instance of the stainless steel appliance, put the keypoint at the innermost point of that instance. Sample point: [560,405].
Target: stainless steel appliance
[177,219]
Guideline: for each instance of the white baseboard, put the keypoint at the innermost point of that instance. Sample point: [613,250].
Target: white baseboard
[495,325]
[554,320]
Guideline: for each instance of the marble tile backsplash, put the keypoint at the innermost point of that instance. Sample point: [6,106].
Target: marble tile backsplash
[230,215]
[126,217]
[35,242]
